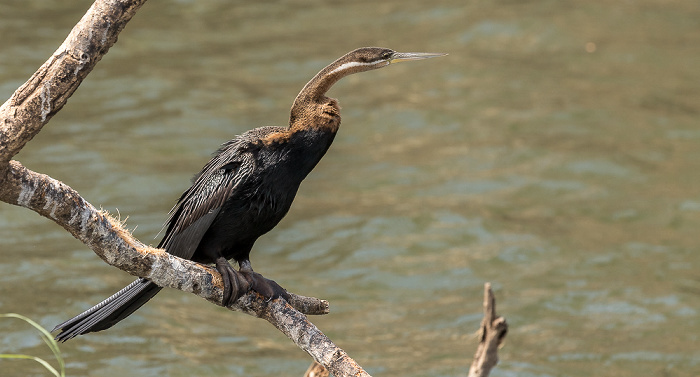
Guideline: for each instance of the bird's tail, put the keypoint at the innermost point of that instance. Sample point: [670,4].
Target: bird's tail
[110,311]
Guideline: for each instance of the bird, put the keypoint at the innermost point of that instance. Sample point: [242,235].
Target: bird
[243,192]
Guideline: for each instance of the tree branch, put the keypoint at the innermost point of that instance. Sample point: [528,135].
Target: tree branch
[33,105]
[493,331]
[46,92]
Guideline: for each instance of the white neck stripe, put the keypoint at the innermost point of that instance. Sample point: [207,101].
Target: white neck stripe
[345,66]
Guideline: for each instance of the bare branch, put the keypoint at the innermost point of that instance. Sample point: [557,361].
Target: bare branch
[44,94]
[304,334]
[493,331]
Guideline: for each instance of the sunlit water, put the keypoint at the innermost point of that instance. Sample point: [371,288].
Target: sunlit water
[554,153]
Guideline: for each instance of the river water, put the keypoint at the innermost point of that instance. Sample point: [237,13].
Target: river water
[554,153]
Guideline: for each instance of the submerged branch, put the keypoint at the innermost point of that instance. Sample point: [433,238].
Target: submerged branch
[493,331]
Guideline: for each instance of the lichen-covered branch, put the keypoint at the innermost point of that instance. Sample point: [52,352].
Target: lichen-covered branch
[305,335]
[493,331]
[32,106]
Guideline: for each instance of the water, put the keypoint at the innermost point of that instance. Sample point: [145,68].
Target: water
[554,153]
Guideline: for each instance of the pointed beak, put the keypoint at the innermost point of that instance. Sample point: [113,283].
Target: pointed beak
[406,56]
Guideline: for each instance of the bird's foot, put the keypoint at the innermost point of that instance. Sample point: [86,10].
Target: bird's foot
[235,285]
[238,283]
[265,287]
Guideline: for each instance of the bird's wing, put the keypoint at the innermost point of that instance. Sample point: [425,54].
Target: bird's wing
[197,208]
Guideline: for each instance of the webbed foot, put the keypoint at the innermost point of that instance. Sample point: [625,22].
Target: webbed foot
[238,283]
[265,287]
[234,284]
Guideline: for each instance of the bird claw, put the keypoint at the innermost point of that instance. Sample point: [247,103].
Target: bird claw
[238,283]
[265,287]
[234,285]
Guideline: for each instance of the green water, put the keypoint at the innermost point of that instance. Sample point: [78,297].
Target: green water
[554,153]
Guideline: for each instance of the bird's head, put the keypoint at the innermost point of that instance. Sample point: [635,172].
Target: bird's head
[360,60]
[368,58]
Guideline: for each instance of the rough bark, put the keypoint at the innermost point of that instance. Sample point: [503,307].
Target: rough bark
[493,331]
[46,92]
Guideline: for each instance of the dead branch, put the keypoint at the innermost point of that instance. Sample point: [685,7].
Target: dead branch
[493,331]
[46,92]
[32,106]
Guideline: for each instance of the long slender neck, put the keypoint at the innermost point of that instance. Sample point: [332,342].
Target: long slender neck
[315,90]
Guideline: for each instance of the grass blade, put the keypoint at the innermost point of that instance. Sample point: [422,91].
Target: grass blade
[47,338]
[29,357]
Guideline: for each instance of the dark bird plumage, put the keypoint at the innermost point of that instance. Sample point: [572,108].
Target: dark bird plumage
[244,192]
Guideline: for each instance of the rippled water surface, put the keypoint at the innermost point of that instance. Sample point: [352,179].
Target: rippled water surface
[554,153]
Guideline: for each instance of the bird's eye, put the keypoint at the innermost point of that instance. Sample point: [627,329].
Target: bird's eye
[386,55]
